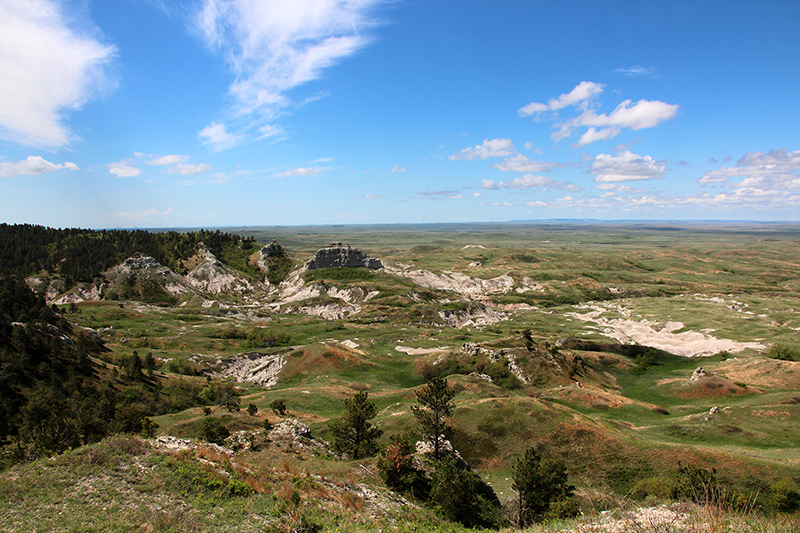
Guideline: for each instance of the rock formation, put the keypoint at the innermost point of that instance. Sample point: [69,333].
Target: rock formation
[339,255]
[274,250]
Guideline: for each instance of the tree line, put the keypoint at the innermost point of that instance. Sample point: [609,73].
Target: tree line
[79,255]
[57,392]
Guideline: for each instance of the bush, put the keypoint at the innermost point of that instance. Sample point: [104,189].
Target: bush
[541,488]
[278,407]
[397,470]
[784,496]
[213,430]
[783,352]
[461,496]
[239,488]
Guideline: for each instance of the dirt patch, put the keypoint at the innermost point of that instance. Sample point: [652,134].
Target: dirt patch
[667,337]
[421,351]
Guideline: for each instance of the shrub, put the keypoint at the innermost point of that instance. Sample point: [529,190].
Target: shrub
[461,496]
[397,470]
[539,485]
[213,430]
[784,496]
[783,352]
[239,488]
[278,407]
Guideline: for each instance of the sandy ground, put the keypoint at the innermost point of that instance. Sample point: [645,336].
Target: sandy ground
[667,337]
[420,351]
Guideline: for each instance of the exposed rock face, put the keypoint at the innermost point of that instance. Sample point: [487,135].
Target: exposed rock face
[145,269]
[473,288]
[474,315]
[273,250]
[256,368]
[339,255]
[211,276]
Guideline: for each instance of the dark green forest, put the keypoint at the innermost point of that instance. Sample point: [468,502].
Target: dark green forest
[59,388]
[79,255]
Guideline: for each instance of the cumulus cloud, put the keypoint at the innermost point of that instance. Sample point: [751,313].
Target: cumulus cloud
[398,168]
[124,169]
[521,163]
[630,115]
[169,160]
[489,148]
[626,166]
[527,181]
[580,96]
[33,165]
[274,46]
[48,68]
[189,169]
[217,137]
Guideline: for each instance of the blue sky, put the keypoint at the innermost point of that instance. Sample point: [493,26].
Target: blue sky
[156,113]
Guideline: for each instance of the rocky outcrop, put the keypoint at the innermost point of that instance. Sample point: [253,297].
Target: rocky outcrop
[209,275]
[474,288]
[474,315]
[255,367]
[339,255]
[273,250]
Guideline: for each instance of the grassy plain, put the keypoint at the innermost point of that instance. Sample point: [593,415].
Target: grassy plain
[614,420]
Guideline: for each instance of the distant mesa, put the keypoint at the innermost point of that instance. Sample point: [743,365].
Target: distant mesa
[342,255]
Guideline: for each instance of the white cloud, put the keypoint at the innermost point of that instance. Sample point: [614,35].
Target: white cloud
[301,171]
[581,96]
[477,194]
[124,169]
[48,68]
[274,46]
[642,114]
[33,165]
[635,116]
[626,166]
[398,168]
[217,136]
[373,196]
[189,169]
[527,181]
[521,163]
[593,135]
[635,71]
[271,130]
[489,148]
[777,169]
[439,194]
[169,159]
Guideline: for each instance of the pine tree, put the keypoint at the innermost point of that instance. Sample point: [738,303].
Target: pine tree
[538,485]
[436,405]
[353,433]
